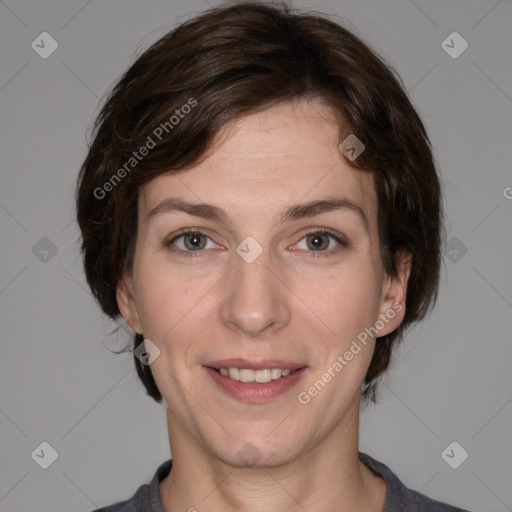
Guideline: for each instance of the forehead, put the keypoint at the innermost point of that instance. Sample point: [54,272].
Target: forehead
[266,161]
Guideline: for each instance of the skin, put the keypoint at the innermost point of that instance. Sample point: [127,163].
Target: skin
[287,304]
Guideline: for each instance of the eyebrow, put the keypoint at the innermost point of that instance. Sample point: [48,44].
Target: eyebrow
[293,212]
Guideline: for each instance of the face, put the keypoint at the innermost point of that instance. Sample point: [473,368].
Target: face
[258,281]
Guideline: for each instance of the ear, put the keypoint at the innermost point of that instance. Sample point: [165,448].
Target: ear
[394,293]
[126,302]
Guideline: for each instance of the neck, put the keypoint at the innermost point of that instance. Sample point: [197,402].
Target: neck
[325,478]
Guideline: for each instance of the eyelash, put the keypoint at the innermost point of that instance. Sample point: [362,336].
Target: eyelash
[195,254]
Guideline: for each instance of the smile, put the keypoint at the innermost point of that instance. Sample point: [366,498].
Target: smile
[255,385]
[248,375]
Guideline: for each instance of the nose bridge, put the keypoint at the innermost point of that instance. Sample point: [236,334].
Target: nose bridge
[254,299]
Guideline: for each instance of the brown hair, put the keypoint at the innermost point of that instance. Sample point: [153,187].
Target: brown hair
[234,60]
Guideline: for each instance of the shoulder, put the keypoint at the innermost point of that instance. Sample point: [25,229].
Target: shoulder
[122,506]
[401,498]
[147,497]
[134,504]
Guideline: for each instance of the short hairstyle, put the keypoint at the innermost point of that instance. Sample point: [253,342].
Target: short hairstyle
[239,59]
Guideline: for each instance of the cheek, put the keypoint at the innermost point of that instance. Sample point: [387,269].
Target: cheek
[169,296]
[347,300]
[157,296]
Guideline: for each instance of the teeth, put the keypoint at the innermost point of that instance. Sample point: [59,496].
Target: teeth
[234,373]
[276,373]
[248,375]
[263,375]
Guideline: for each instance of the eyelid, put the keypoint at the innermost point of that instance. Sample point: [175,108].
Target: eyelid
[339,237]
[187,231]
[333,234]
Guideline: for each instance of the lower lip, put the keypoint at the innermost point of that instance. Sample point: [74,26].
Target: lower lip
[253,391]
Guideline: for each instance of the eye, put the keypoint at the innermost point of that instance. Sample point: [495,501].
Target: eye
[193,242]
[190,242]
[320,241]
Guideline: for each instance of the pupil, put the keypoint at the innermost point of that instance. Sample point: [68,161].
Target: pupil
[316,240]
[195,240]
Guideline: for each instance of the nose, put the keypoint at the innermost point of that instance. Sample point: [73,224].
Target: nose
[255,298]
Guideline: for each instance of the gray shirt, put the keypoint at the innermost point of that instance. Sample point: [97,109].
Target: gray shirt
[398,497]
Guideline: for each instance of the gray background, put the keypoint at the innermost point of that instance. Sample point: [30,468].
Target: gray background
[60,383]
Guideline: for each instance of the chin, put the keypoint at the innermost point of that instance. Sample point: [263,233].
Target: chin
[255,453]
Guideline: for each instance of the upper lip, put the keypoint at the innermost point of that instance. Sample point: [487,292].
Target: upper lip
[254,364]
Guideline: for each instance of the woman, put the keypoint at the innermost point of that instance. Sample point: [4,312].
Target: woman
[261,206]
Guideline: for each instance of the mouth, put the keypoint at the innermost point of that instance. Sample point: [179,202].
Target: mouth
[261,376]
[251,381]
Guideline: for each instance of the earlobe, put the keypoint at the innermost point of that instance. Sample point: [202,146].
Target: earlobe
[126,302]
[392,307]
